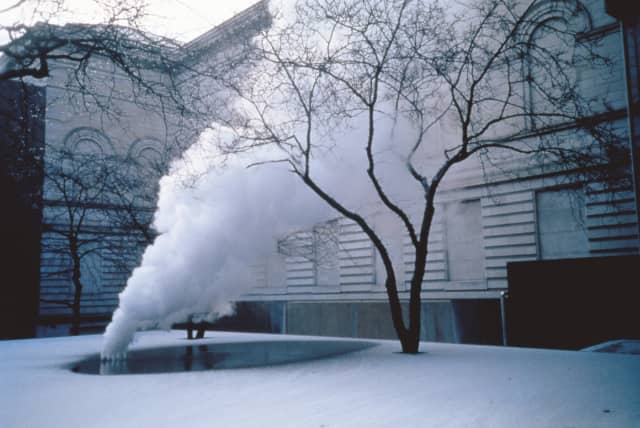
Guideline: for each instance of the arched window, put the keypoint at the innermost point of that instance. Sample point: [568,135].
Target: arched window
[76,169]
[550,69]
[147,153]
[88,142]
[146,164]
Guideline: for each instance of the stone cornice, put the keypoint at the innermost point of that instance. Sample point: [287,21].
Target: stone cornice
[242,25]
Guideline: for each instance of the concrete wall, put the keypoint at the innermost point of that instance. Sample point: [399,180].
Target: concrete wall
[455,321]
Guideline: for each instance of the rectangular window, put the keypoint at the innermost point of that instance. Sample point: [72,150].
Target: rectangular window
[464,240]
[561,224]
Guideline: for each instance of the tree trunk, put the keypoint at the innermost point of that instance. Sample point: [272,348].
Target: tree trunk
[77,294]
[201,329]
[411,340]
[409,337]
[415,301]
[396,316]
[190,328]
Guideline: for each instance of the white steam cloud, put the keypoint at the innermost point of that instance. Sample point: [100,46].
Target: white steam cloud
[215,221]
[211,228]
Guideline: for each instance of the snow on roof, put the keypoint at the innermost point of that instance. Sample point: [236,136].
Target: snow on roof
[446,386]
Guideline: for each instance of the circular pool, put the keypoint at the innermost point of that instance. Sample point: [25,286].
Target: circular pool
[214,356]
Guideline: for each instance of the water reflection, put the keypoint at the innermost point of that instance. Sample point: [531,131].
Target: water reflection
[218,356]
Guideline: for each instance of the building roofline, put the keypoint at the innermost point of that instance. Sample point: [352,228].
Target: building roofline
[254,12]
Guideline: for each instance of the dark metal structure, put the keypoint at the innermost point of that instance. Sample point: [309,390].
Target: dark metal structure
[573,303]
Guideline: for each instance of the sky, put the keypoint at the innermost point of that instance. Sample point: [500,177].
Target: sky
[182,20]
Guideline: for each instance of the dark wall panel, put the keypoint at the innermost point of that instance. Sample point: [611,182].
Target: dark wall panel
[22,110]
[573,303]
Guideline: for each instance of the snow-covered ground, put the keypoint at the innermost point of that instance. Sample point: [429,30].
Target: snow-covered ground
[446,386]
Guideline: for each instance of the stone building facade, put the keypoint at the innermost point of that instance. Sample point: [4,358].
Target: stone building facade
[106,138]
[484,220]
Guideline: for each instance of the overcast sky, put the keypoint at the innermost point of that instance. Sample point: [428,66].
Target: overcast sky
[179,19]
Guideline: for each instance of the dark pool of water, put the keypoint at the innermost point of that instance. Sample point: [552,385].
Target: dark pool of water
[212,356]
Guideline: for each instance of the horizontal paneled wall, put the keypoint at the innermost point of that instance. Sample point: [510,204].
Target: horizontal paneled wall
[512,219]
[104,272]
[356,257]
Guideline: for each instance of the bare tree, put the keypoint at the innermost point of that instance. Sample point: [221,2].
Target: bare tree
[96,207]
[76,192]
[112,75]
[319,245]
[97,218]
[132,190]
[102,62]
[30,47]
[501,79]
